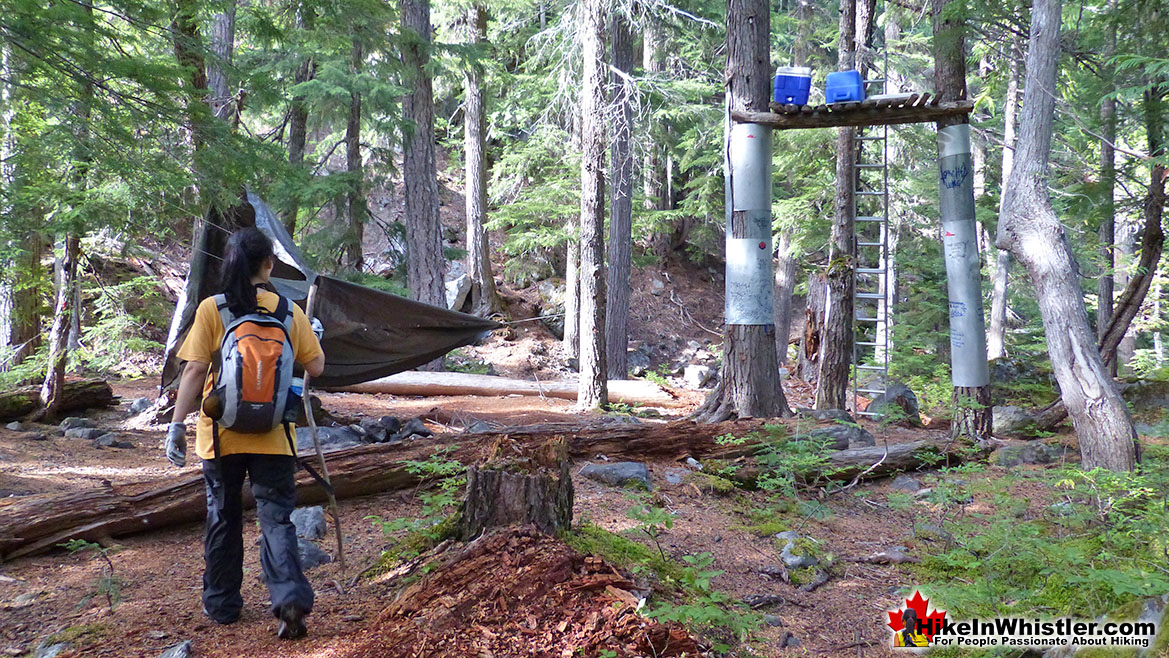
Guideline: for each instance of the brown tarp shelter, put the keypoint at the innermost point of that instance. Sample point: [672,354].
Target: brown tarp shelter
[368,333]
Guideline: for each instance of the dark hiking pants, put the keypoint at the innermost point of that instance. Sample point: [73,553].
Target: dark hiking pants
[273,485]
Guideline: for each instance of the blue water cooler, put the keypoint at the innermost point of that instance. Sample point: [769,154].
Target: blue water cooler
[792,85]
[844,87]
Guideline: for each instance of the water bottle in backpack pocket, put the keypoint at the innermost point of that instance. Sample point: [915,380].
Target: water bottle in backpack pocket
[253,370]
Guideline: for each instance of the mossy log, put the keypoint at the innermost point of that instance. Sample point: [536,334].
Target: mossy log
[36,523]
[78,395]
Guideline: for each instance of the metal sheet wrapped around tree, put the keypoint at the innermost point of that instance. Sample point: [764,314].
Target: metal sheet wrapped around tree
[368,333]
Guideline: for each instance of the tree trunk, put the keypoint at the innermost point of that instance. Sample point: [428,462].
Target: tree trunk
[425,267]
[995,338]
[222,43]
[76,395]
[355,207]
[298,117]
[593,382]
[840,275]
[518,486]
[620,202]
[814,309]
[188,47]
[1105,285]
[38,523]
[52,391]
[972,415]
[785,284]
[572,292]
[749,385]
[655,172]
[484,299]
[1034,235]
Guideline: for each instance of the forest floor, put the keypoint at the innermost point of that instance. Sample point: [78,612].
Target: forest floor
[51,597]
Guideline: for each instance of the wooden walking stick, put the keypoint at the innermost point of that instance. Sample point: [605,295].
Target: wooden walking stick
[310,307]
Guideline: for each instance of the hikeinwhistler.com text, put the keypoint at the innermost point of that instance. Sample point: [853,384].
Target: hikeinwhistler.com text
[1021,632]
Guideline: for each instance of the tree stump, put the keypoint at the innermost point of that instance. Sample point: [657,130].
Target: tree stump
[517,485]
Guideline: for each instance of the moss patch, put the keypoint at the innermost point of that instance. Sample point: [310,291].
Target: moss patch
[621,551]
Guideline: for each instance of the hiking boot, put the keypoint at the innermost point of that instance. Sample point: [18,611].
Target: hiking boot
[222,622]
[291,623]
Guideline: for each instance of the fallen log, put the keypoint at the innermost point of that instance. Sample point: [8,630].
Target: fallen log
[33,524]
[79,394]
[459,383]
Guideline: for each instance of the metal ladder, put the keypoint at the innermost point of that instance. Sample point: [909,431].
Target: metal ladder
[871,311]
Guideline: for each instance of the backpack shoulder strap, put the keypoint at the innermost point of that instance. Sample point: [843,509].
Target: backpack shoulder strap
[225,313]
[283,311]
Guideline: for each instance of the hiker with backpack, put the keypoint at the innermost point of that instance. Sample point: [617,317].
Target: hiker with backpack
[239,355]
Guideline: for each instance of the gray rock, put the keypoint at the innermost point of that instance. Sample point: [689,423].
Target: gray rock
[141,405]
[180,650]
[618,474]
[390,423]
[784,373]
[311,555]
[552,306]
[1012,421]
[15,426]
[897,401]
[694,463]
[790,641]
[50,650]
[526,271]
[894,555]
[1062,508]
[86,433]
[674,476]
[657,287]
[106,440]
[332,438]
[456,291]
[791,560]
[638,360]
[826,414]
[772,620]
[906,483]
[75,422]
[696,375]
[1030,453]
[1147,395]
[841,436]
[310,522]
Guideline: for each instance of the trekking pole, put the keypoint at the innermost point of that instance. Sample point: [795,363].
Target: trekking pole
[310,306]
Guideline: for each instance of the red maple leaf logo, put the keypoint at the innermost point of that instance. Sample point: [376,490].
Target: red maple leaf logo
[931,621]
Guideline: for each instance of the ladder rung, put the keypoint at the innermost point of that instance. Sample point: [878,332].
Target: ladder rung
[872,193]
[870,413]
[870,270]
[861,318]
[873,138]
[870,244]
[870,166]
[861,343]
[878,391]
[875,81]
[869,295]
[869,218]
[872,368]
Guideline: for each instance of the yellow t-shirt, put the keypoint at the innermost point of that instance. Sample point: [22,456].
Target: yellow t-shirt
[204,340]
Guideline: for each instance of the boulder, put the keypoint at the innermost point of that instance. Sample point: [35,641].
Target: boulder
[1031,453]
[107,440]
[86,433]
[527,271]
[826,414]
[180,650]
[697,376]
[657,287]
[141,405]
[1011,421]
[75,422]
[618,474]
[310,522]
[674,476]
[457,290]
[50,650]
[790,559]
[1147,396]
[906,483]
[897,402]
[841,436]
[413,427]
[15,426]
[551,310]
[638,360]
[311,555]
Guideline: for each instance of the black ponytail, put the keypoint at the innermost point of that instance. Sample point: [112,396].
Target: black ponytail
[247,249]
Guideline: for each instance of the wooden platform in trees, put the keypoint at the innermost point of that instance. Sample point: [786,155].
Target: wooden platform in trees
[912,108]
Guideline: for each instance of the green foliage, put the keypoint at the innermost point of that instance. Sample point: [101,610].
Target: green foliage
[108,585]
[440,481]
[461,360]
[651,519]
[707,609]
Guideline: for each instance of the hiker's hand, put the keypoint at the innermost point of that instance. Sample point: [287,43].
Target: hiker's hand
[318,328]
[176,444]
